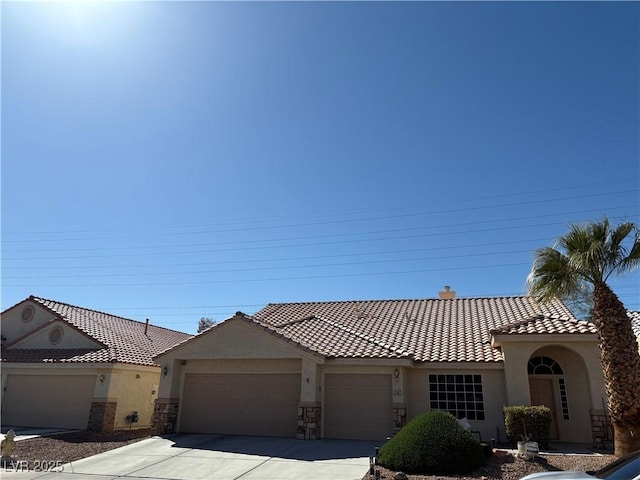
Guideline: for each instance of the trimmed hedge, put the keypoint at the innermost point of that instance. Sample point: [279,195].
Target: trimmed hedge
[433,443]
[523,422]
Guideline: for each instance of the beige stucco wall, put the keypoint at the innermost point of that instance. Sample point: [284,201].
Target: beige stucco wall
[517,353]
[135,389]
[71,338]
[493,389]
[14,328]
[578,427]
[580,361]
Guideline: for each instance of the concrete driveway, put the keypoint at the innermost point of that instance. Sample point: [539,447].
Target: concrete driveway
[219,457]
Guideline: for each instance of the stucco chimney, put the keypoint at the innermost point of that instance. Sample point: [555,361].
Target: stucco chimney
[447,293]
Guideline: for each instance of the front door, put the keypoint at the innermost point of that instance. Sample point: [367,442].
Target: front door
[541,392]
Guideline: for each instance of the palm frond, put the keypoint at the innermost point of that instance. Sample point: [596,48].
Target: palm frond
[587,253]
[552,275]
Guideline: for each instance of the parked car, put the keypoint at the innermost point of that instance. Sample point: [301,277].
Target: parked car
[625,468]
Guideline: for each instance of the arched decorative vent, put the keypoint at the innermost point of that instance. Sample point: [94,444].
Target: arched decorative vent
[28,313]
[55,335]
[543,366]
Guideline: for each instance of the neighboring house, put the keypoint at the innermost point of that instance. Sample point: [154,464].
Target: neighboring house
[362,369]
[72,367]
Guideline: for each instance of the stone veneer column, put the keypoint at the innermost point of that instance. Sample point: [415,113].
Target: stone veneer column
[102,416]
[399,414]
[309,421]
[165,416]
[600,425]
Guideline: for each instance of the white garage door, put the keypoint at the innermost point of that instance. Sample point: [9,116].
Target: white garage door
[48,400]
[241,404]
[357,407]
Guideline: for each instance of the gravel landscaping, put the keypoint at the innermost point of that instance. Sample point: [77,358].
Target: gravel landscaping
[504,466]
[69,447]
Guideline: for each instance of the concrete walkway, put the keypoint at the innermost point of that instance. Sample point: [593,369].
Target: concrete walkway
[24,433]
[203,457]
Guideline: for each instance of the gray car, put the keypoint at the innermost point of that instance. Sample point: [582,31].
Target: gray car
[625,468]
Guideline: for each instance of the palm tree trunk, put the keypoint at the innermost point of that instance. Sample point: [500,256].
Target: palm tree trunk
[620,366]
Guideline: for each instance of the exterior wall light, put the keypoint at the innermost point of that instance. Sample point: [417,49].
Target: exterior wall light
[396,374]
[101,378]
[165,370]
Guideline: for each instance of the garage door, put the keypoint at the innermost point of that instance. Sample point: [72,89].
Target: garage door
[241,404]
[48,400]
[357,407]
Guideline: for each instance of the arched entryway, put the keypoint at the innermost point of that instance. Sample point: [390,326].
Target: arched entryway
[558,380]
[546,377]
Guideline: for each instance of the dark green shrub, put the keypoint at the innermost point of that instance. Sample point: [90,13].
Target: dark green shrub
[523,423]
[433,443]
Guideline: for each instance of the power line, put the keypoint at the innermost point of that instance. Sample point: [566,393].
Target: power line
[263,247]
[281,267]
[334,222]
[271,260]
[351,212]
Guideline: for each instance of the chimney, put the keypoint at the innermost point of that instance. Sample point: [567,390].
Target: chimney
[447,293]
[146,326]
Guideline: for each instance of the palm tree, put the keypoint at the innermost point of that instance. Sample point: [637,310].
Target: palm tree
[587,256]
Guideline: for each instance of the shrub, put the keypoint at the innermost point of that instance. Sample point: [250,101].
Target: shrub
[433,443]
[523,422]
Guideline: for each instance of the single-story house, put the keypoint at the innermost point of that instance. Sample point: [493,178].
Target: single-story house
[362,369]
[72,367]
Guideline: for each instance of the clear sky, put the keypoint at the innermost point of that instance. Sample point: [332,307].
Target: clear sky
[179,160]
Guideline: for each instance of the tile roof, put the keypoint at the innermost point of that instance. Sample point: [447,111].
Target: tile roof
[433,330]
[545,325]
[124,340]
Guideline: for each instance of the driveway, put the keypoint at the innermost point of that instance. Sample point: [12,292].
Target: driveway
[221,457]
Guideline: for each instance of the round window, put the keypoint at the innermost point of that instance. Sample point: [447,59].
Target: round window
[55,335]
[27,313]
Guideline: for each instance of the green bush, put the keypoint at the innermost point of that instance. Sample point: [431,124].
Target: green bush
[522,422]
[433,443]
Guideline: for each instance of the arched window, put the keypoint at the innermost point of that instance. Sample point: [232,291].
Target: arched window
[543,366]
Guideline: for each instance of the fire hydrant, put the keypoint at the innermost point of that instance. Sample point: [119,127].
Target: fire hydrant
[6,447]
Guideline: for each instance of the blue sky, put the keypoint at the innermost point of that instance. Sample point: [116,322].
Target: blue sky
[174,160]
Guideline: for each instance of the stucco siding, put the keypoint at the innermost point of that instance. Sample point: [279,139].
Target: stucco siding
[577,427]
[69,338]
[134,391]
[234,339]
[493,390]
[13,327]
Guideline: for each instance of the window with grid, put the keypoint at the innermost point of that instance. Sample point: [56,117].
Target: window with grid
[460,395]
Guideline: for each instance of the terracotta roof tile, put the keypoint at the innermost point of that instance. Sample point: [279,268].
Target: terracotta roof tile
[541,324]
[124,339]
[433,330]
